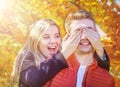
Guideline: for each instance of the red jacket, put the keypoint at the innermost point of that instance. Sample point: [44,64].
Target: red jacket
[94,76]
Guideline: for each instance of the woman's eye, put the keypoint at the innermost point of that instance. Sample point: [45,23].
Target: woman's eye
[46,37]
[57,36]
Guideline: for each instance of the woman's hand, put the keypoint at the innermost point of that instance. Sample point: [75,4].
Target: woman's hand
[70,43]
[94,37]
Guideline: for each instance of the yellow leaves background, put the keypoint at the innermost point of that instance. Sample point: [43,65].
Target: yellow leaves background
[17,15]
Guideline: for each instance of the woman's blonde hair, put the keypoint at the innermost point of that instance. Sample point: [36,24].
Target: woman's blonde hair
[29,54]
[76,15]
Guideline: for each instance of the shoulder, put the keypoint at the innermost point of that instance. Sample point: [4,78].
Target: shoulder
[66,73]
[103,73]
[28,62]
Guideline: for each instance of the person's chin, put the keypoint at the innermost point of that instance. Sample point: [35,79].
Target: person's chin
[52,54]
[85,50]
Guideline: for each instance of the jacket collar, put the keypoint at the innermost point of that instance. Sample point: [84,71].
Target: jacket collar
[73,63]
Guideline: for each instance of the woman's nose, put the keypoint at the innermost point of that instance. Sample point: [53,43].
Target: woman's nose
[52,40]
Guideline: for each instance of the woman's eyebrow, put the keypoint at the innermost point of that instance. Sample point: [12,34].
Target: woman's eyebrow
[89,27]
[57,33]
[45,35]
[49,34]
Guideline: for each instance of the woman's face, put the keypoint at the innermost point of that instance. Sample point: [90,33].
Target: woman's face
[50,42]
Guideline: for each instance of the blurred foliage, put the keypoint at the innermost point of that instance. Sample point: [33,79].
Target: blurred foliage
[17,15]
[9,49]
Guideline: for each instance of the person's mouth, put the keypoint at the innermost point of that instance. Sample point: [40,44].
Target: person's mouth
[52,50]
[84,42]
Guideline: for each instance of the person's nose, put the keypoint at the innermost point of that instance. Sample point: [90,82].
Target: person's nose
[83,35]
[52,40]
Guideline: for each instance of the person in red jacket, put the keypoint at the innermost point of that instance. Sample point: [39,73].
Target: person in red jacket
[83,70]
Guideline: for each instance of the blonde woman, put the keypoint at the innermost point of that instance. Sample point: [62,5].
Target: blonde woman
[40,59]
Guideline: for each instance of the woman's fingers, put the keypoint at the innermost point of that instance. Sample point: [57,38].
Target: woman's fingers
[66,37]
[93,36]
[69,45]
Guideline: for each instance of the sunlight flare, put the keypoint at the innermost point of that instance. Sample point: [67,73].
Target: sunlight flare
[3,5]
